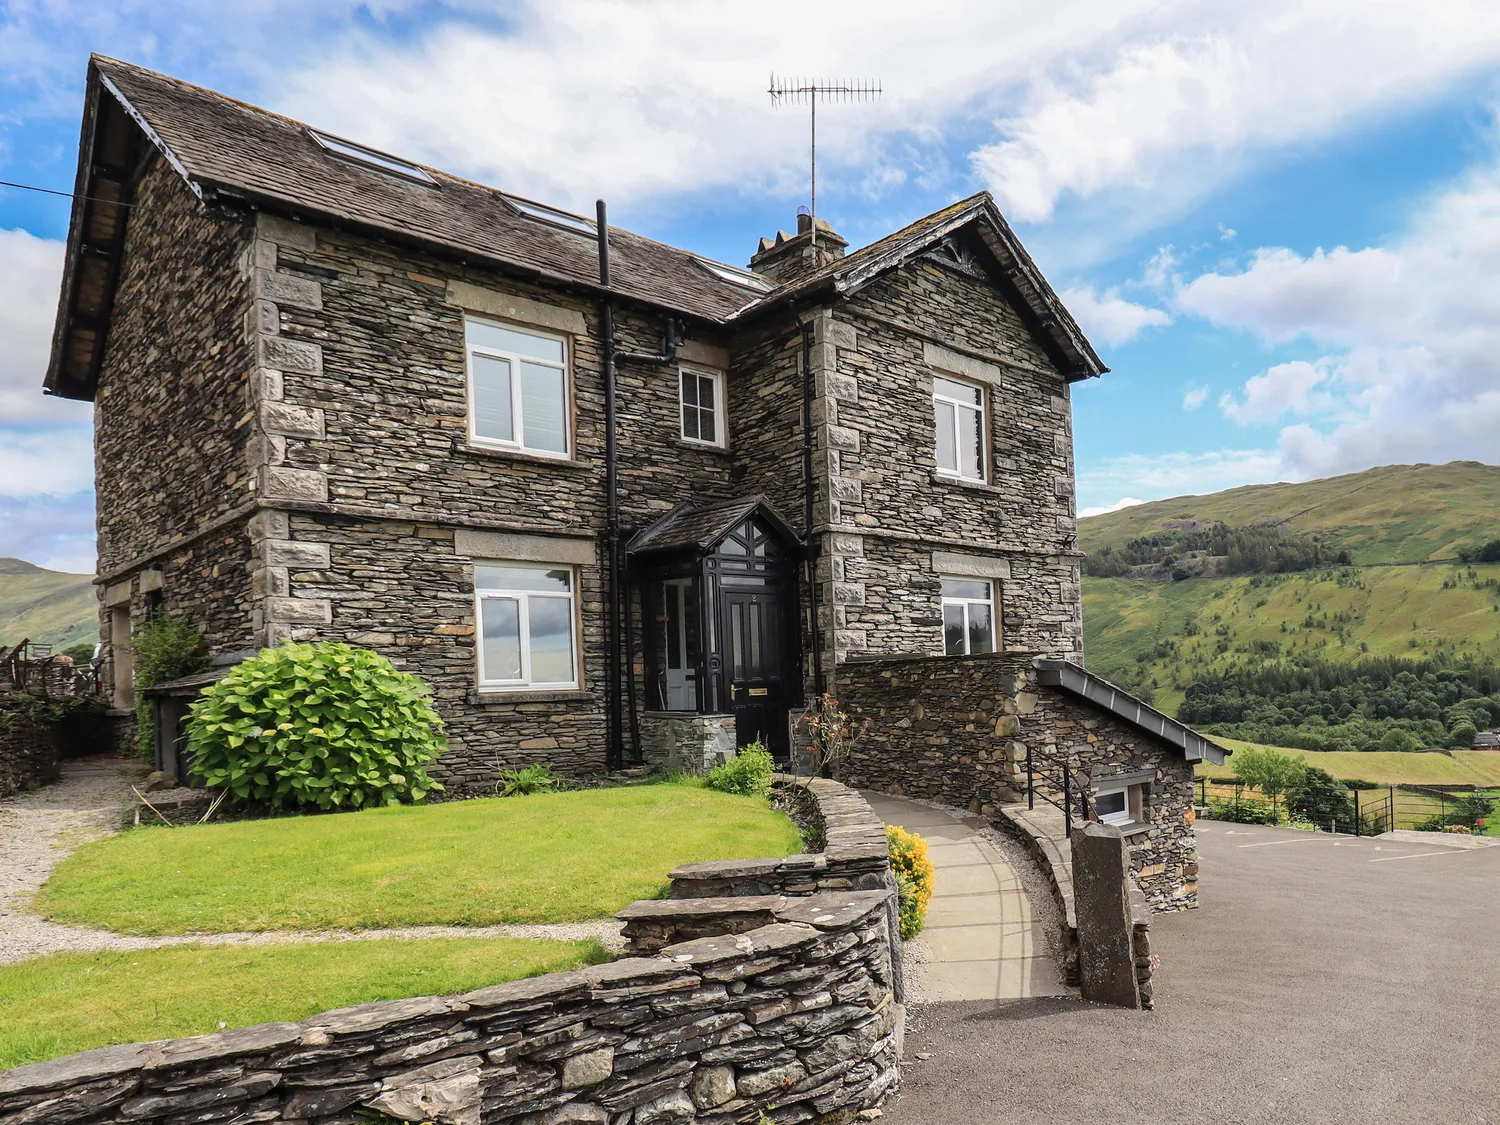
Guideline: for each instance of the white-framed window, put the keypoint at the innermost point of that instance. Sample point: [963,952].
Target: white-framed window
[701,396]
[527,618]
[968,616]
[959,422]
[1112,806]
[518,388]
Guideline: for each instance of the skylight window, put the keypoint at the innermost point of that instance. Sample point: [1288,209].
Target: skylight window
[742,278]
[372,158]
[552,215]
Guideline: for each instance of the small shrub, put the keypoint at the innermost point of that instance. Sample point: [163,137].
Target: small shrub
[748,773]
[535,778]
[165,648]
[1243,812]
[325,726]
[915,877]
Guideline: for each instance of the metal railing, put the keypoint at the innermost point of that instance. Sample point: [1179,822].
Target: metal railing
[1060,774]
[1364,812]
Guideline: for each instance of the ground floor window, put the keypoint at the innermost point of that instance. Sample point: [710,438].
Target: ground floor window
[526,614]
[968,616]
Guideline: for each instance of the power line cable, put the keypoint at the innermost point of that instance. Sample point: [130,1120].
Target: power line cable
[65,194]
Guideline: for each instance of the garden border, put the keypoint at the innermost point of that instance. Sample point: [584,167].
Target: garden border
[799,1017]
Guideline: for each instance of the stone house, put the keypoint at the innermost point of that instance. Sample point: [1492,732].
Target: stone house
[613,500]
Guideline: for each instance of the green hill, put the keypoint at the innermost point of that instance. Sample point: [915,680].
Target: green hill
[1393,514]
[1405,594]
[46,606]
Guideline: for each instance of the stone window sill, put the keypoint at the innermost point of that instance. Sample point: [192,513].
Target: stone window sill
[717,715]
[1135,828]
[702,447]
[484,697]
[959,482]
[519,455]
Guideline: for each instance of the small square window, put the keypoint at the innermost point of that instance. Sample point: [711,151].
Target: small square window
[701,394]
[1113,806]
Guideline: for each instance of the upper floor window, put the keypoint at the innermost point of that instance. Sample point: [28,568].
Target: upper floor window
[518,388]
[958,413]
[702,397]
[526,614]
[968,616]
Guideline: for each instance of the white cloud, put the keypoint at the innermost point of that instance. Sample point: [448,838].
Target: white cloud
[54,532]
[30,277]
[1185,96]
[1158,476]
[1104,510]
[1280,390]
[575,98]
[1411,332]
[1195,397]
[46,463]
[1110,319]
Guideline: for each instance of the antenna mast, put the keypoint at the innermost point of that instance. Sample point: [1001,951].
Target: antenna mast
[794,91]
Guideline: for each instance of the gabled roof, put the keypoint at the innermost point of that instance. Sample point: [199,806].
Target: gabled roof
[701,528]
[1018,276]
[228,151]
[1101,693]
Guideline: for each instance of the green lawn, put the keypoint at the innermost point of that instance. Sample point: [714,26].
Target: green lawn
[1463,767]
[68,1002]
[558,857]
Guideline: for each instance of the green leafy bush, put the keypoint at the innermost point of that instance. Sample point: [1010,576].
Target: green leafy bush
[325,726]
[748,773]
[535,778]
[165,648]
[1243,812]
[915,878]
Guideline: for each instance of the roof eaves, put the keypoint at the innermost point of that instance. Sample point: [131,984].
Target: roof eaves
[1103,694]
[151,134]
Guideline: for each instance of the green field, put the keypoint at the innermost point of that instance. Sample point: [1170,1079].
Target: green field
[46,606]
[1462,767]
[51,1006]
[1381,610]
[1393,514]
[550,857]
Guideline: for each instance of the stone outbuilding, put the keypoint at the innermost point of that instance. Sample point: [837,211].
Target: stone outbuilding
[613,500]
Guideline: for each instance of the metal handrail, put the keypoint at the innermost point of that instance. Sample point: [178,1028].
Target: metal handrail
[1066,806]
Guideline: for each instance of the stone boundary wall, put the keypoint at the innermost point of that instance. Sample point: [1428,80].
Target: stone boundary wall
[798,1018]
[956,729]
[28,745]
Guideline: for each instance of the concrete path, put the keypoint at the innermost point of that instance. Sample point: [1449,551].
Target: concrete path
[1326,980]
[983,940]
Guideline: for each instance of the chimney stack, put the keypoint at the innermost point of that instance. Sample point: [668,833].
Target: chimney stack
[789,257]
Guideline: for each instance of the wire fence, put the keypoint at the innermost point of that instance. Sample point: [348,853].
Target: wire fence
[1357,811]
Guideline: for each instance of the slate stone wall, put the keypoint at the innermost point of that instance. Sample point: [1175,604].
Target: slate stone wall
[28,744]
[798,1016]
[956,730]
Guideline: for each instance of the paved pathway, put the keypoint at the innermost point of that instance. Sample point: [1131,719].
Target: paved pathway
[984,940]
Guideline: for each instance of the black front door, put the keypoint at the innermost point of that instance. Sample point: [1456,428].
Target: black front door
[754,665]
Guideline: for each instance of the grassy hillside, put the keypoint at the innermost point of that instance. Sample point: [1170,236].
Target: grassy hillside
[1341,614]
[46,606]
[1393,514]
[1461,767]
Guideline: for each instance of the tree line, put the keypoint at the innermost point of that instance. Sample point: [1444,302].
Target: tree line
[1269,548]
[1312,703]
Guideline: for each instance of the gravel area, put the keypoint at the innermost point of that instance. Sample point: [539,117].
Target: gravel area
[39,828]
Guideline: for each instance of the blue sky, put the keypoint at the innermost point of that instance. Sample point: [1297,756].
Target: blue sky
[1279,223]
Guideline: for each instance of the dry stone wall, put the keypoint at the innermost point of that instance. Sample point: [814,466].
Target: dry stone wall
[956,729]
[28,743]
[797,1016]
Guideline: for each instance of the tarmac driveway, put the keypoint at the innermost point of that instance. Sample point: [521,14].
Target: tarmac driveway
[1324,979]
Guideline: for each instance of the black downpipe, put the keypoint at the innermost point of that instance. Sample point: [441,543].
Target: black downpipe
[616,637]
[812,542]
[614,736]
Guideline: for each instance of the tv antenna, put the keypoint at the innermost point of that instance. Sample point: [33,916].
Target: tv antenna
[797,91]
